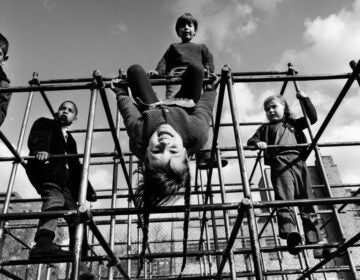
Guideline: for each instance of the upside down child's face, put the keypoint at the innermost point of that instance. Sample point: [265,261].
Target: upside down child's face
[166,147]
[274,110]
[66,114]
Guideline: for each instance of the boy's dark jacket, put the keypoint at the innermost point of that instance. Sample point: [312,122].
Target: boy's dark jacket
[46,135]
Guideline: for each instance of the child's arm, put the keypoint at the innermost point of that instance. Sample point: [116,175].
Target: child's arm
[208,60]
[309,109]
[40,138]
[258,139]
[161,68]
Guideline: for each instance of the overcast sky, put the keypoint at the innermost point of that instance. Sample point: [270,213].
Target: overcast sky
[69,39]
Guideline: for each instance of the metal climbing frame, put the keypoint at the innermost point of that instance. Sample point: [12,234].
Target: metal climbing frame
[234,233]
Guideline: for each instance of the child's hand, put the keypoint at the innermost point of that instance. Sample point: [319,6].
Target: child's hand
[153,73]
[43,156]
[300,94]
[261,145]
[215,80]
[116,87]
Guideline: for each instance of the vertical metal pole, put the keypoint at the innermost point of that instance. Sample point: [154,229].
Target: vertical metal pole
[129,221]
[226,215]
[319,158]
[48,272]
[113,204]
[38,272]
[271,219]
[14,169]
[84,182]
[247,193]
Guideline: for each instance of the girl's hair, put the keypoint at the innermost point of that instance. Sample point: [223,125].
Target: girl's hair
[157,187]
[283,101]
[183,19]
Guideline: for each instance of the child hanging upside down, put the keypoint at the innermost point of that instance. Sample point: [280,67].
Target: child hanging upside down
[164,134]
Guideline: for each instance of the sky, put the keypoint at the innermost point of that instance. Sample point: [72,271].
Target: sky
[69,39]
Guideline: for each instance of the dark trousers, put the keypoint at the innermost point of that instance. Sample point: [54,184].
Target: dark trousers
[141,88]
[290,180]
[58,198]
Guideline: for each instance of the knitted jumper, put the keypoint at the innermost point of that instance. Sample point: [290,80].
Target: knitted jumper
[192,124]
[181,54]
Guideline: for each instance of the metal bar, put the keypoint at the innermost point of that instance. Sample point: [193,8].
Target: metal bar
[247,192]
[113,204]
[178,209]
[290,78]
[7,143]
[84,184]
[319,158]
[331,113]
[216,131]
[14,167]
[244,207]
[105,102]
[227,149]
[114,259]
[129,221]
[8,274]
[225,213]
[342,248]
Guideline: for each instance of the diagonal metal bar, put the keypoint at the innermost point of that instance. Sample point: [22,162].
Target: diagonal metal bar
[244,206]
[105,102]
[114,260]
[244,178]
[333,109]
[340,250]
[7,143]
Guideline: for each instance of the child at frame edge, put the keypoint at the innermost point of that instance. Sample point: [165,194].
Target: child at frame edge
[57,180]
[4,81]
[163,136]
[289,174]
[178,55]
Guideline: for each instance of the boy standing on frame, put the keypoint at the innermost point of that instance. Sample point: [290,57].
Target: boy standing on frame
[57,180]
[179,55]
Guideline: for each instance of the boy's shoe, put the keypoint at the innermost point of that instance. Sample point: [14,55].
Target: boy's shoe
[293,240]
[86,276]
[51,250]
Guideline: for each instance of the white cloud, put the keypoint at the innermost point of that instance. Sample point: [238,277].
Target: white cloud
[331,43]
[119,29]
[267,5]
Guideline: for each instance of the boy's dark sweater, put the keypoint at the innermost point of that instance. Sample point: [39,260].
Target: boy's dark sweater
[181,54]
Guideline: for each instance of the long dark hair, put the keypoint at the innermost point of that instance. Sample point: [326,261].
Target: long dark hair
[157,187]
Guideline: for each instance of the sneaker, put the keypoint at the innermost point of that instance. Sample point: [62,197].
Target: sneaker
[293,240]
[51,250]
